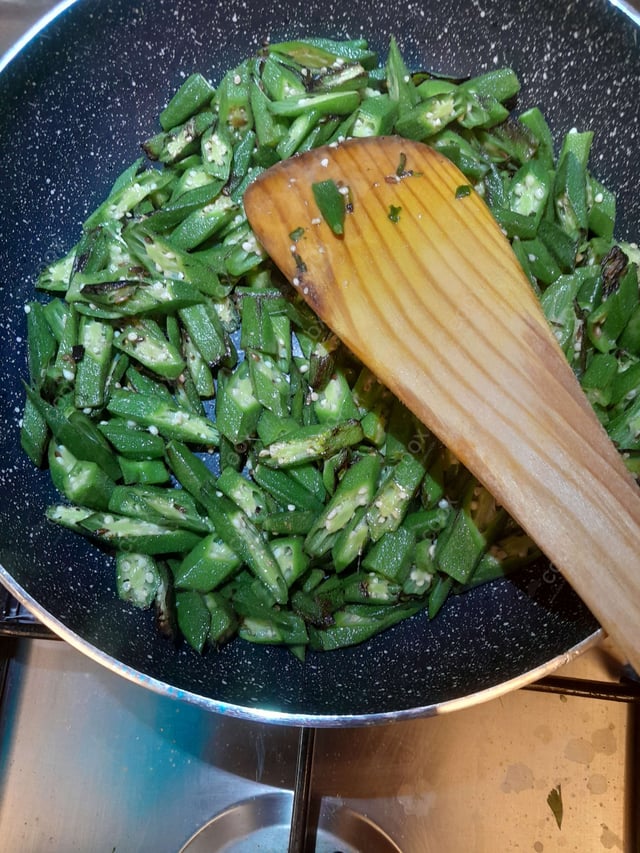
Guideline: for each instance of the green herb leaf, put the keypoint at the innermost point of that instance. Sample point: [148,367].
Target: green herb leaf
[400,170]
[554,801]
[297,234]
[394,213]
[331,204]
[463,191]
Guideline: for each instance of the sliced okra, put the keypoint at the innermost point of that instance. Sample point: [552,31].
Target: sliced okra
[122,532]
[76,431]
[144,341]
[207,566]
[81,481]
[193,618]
[41,343]
[171,420]
[192,96]
[238,531]
[356,489]
[170,507]
[137,578]
[168,146]
[316,441]
[356,623]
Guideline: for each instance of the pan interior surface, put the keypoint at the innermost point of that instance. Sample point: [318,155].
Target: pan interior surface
[77,101]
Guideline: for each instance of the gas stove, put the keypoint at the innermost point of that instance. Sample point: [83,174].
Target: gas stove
[92,762]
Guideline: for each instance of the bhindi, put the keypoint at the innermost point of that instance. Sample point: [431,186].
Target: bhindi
[251,477]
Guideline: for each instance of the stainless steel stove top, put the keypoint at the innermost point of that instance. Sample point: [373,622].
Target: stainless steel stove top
[91,762]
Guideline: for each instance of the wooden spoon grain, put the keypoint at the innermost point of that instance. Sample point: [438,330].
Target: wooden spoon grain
[425,289]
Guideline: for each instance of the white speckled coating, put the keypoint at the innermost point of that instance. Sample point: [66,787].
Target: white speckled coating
[76,102]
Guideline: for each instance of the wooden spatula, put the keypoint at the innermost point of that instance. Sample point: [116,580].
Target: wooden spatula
[425,289]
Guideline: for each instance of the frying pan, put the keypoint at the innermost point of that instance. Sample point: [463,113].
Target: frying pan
[77,100]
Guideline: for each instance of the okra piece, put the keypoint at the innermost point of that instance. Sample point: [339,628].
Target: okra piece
[243,537]
[570,194]
[79,480]
[76,431]
[391,502]
[224,620]
[251,499]
[462,544]
[438,594]
[204,223]
[354,490]
[143,471]
[401,87]
[429,117]
[41,343]
[356,623]
[285,489]
[217,152]
[607,321]
[288,522]
[34,433]
[268,131]
[334,402]
[234,107]
[279,628]
[331,204]
[316,441]
[125,533]
[207,566]
[171,420]
[270,384]
[327,103]
[237,407]
[375,116]
[206,333]
[293,562]
[137,578]
[371,588]
[193,95]
[351,541]
[144,341]
[129,195]
[193,617]
[392,555]
[602,208]
[189,470]
[168,146]
[169,507]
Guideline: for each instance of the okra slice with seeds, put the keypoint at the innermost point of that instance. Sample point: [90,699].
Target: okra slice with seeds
[144,341]
[238,531]
[137,578]
[122,532]
[316,441]
[356,489]
[171,507]
[81,481]
[171,420]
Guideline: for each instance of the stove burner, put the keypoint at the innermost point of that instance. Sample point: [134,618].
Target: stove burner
[262,825]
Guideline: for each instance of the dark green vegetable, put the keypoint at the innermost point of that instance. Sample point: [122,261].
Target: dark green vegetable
[331,204]
[253,478]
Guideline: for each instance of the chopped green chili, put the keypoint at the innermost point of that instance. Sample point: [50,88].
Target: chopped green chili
[331,204]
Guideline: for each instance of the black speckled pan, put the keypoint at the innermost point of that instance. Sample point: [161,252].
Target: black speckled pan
[76,101]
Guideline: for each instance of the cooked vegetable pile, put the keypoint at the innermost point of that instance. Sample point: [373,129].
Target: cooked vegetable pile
[251,476]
